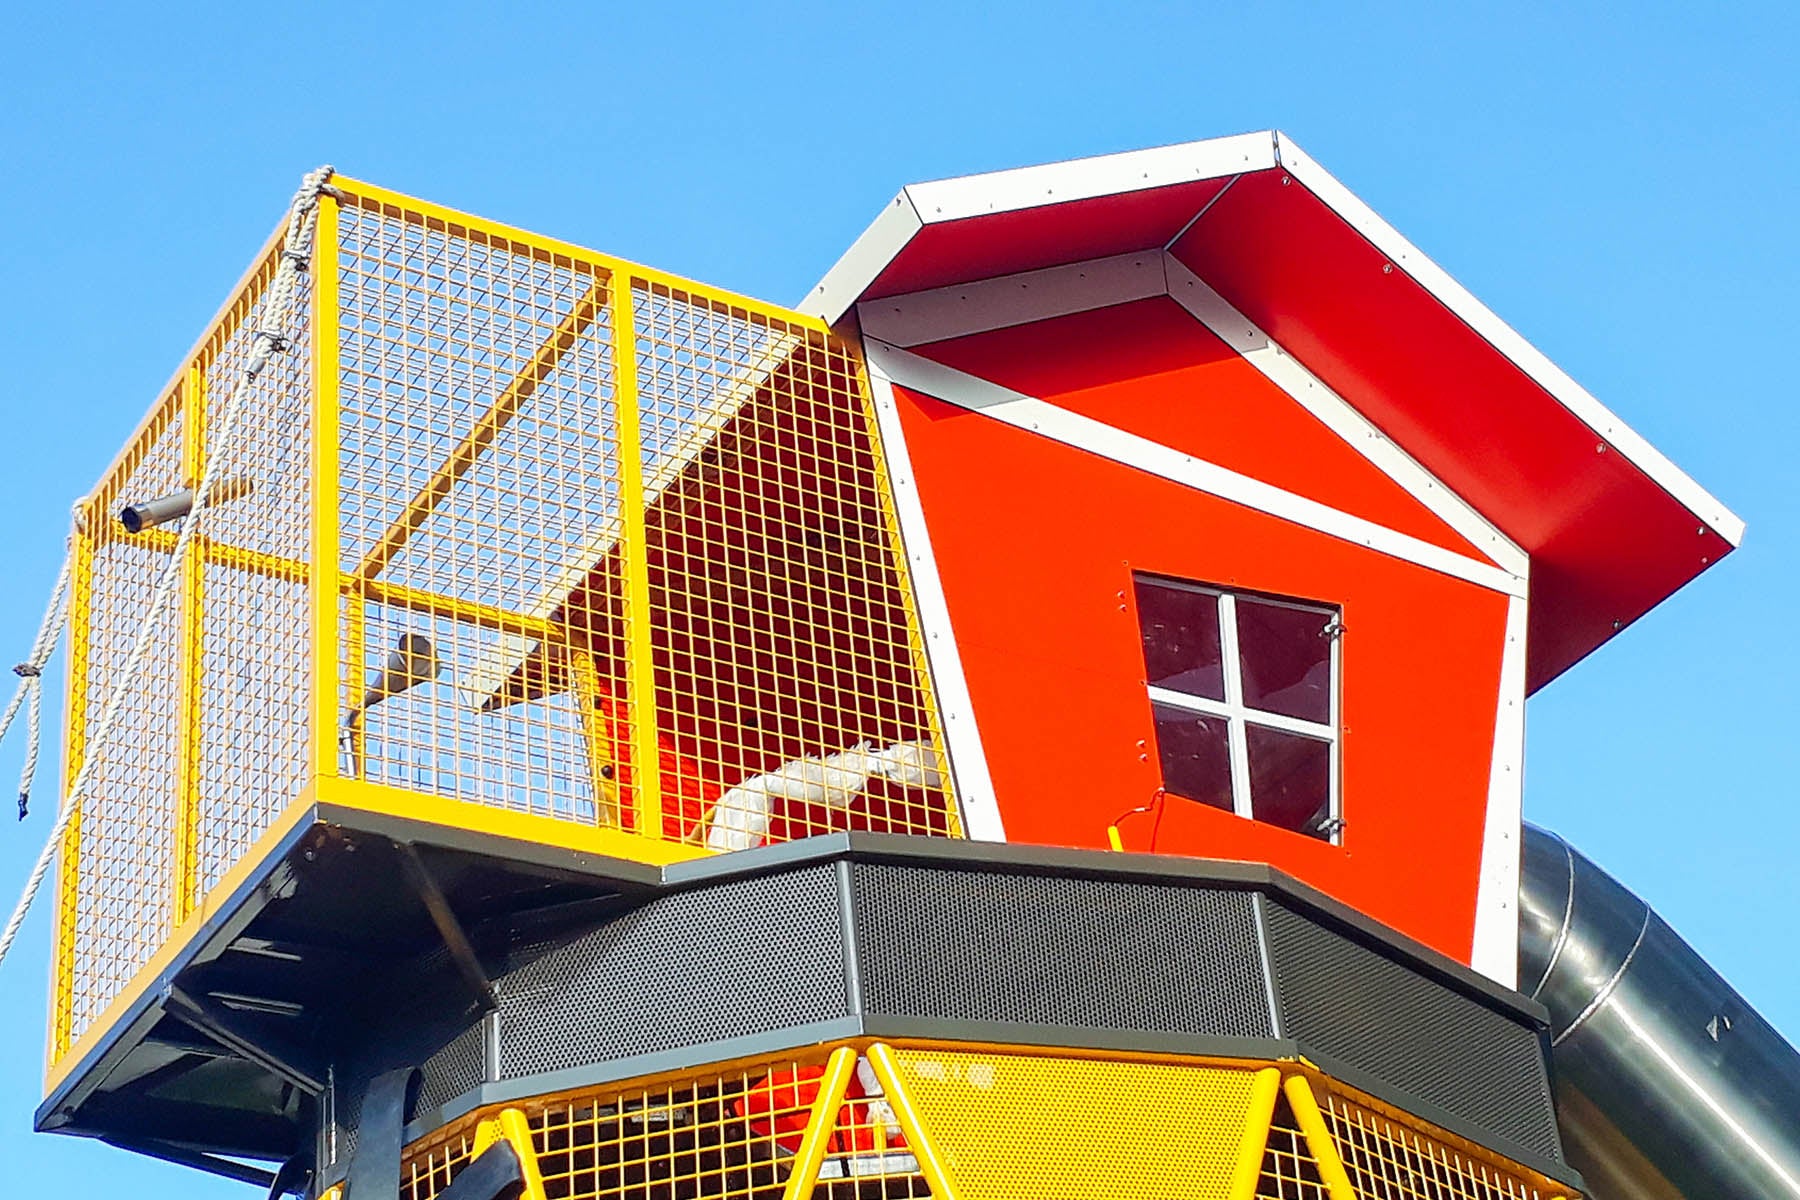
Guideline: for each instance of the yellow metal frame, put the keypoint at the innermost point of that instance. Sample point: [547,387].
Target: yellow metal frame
[1298,1081]
[337,594]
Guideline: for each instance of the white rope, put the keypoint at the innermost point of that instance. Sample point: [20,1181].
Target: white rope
[31,681]
[267,338]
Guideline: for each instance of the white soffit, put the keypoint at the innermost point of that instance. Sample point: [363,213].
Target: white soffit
[1507,341]
[1008,300]
[922,204]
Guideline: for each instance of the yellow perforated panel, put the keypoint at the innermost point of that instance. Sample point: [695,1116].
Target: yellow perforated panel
[1007,1125]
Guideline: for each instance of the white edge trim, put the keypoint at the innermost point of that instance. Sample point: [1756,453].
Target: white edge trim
[867,257]
[1339,415]
[962,737]
[1495,951]
[1009,300]
[1083,433]
[1086,178]
[1507,341]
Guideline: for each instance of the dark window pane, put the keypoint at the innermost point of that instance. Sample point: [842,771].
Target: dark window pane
[1290,779]
[1181,639]
[1196,756]
[1287,659]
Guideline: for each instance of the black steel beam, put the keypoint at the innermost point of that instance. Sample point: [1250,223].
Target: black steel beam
[229,1031]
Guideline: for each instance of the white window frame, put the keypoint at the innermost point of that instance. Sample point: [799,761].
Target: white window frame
[1239,715]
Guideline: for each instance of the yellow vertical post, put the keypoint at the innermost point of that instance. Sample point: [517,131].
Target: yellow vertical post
[186,883]
[820,1125]
[323,556]
[75,704]
[1318,1138]
[601,758]
[882,1059]
[634,562]
[1248,1171]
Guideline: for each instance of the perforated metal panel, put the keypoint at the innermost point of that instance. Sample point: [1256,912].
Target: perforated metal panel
[1057,950]
[741,958]
[1408,1030]
[1008,1125]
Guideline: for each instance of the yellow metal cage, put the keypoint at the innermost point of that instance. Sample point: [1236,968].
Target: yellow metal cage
[873,1120]
[512,537]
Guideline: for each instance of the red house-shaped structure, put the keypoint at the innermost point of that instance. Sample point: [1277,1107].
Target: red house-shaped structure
[1244,531]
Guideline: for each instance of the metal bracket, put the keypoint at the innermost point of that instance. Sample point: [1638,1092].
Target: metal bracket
[456,941]
[227,1031]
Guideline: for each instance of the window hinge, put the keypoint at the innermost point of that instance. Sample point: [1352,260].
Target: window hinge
[1331,826]
[1334,629]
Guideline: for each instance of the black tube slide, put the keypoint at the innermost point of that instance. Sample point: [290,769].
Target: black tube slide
[1667,1083]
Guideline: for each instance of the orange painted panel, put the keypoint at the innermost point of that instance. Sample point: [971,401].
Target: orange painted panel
[1149,368]
[1035,544]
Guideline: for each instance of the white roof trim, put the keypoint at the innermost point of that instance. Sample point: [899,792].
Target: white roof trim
[1086,178]
[1507,341]
[1339,415]
[913,371]
[923,204]
[866,258]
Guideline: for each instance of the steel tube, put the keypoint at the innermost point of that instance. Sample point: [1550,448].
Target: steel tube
[1668,1083]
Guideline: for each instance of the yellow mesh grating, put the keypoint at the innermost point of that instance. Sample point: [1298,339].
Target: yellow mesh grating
[723,1135]
[433,1164]
[1384,1158]
[1021,1125]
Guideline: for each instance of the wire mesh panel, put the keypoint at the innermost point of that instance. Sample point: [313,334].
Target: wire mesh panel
[614,550]
[1386,1158]
[725,1135]
[477,465]
[789,674]
[211,741]
[1289,1170]
[118,862]
[432,1164]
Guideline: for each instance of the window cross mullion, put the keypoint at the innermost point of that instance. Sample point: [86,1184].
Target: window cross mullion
[1234,698]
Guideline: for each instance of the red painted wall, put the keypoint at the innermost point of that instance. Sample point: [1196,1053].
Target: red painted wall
[1035,544]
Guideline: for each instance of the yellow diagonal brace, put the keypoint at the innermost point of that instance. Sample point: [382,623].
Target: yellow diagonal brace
[1318,1138]
[1248,1171]
[882,1059]
[499,414]
[820,1125]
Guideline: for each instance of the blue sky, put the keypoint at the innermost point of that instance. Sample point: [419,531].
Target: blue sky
[1618,187]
